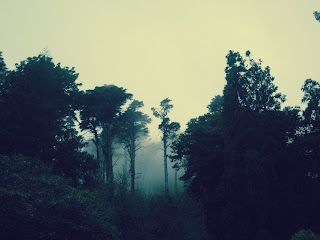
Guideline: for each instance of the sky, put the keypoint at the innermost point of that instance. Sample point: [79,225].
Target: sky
[166,48]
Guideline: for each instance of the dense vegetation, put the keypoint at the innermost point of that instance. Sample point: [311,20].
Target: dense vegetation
[250,166]
[51,188]
[254,165]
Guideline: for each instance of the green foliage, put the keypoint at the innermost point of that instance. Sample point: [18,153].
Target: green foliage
[245,158]
[39,99]
[102,105]
[158,218]
[200,151]
[317,15]
[251,167]
[3,68]
[249,85]
[216,104]
[180,218]
[311,97]
[100,111]
[304,235]
[38,205]
[167,128]
[133,124]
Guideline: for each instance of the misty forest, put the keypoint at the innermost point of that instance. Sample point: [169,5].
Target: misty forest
[77,164]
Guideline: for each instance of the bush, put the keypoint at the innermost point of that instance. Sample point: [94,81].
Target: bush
[35,204]
[304,235]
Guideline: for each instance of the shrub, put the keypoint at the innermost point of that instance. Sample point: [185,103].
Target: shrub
[304,235]
[34,204]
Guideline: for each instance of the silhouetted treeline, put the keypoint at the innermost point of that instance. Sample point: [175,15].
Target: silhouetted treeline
[254,165]
[50,187]
[251,168]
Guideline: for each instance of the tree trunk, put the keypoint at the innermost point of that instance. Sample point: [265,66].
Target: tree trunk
[101,171]
[166,186]
[107,152]
[132,165]
[176,181]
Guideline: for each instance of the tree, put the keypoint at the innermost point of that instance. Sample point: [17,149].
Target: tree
[39,99]
[305,165]
[309,132]
[3,68]
[133,126]
[311,97]
[168,130]
[216,104]
[236,157]
[38,96]
[90,107]
[317,15]
[101,109]
[249,85]
[256,137]
[200,152]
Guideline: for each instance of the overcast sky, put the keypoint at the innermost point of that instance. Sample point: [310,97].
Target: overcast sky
[166,48]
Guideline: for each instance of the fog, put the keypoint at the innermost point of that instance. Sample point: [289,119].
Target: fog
[149,168]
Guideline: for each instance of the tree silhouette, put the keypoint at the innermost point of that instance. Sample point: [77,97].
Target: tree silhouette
[317,15]
[132,127]
[168,130]
[101,110]
[39,99]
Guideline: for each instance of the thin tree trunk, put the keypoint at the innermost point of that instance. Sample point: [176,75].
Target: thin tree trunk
[101,175]
[133,175]
[107,152]
[131,150]
[176,181]
[109,162]
[166,187]
[132,165]
[97,143]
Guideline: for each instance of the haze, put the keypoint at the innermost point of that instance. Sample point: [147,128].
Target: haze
[159,49]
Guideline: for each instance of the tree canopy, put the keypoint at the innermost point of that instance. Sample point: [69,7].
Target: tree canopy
[250,166]
[247,160]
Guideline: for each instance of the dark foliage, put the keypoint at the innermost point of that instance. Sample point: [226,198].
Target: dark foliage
[251,167]
[254,166]
[37,105]
[38,205]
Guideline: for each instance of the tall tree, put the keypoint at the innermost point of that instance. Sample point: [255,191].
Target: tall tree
[255,135]
[133,127]
[236,158]
[101,110]
[90,107]
[168,130]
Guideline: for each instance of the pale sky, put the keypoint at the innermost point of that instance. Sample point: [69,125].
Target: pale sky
[166,48]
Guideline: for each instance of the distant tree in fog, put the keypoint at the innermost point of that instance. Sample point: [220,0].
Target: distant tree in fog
[168,130]
[133,126]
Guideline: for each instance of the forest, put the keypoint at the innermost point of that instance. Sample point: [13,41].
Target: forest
[250,166]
